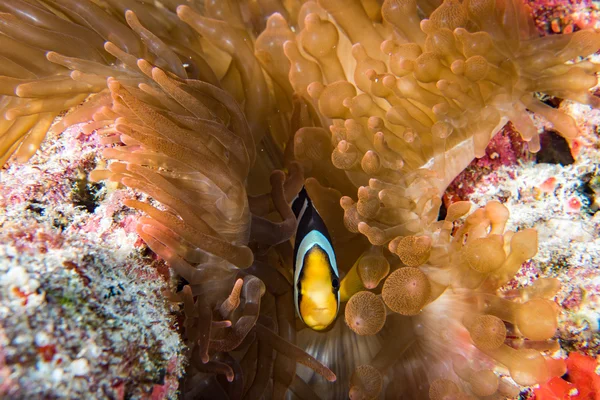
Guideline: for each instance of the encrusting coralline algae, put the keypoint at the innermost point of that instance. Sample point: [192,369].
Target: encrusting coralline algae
[215,115]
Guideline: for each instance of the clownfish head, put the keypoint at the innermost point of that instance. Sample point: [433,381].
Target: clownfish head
[317,284]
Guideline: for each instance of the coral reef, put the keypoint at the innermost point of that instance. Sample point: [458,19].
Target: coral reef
[81,311]
[215,115]
[543,196]
[555,200]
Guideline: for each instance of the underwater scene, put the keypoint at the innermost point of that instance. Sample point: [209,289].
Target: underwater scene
[292,199]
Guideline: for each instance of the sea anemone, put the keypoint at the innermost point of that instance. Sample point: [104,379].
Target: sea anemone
[222,111]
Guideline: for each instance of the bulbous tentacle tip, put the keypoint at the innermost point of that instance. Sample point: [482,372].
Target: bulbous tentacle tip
[366,383]
[365,313]
[406,291]
[183,11]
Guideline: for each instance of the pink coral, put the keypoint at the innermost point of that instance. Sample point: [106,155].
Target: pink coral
[505,149]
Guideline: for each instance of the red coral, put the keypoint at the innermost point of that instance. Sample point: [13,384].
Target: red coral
[556,389]
[119,390]
[548,185]
[47,352]
[576,145]
[573,205]
[21,294]
[582,381]
[584,373]
[70,265]
[159,392]
[563,16]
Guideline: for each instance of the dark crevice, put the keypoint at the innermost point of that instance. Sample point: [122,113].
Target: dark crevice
[554,149]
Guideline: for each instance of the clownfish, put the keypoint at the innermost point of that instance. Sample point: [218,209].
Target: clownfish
[316,276]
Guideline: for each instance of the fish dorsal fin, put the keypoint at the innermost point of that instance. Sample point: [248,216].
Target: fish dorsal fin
[300,203]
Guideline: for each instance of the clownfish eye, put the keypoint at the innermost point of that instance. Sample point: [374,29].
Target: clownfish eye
[335,283]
